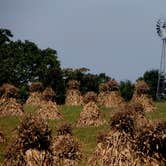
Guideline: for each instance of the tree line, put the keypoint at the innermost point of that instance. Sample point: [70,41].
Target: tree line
[22,62]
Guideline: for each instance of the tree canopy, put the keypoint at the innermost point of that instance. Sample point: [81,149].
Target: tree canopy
[23,62]
[151,78]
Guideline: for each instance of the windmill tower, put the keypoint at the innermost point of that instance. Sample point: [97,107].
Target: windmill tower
[161,30]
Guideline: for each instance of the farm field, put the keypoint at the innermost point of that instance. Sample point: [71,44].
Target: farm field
[86,136]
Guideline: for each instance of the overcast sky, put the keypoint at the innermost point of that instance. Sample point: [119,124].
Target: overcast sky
[117,37]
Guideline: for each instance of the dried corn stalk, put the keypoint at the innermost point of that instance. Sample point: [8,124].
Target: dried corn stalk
[90,97]
[49,110]
[141,87]
[114,150]
[90,116]
[73,84]
[103,87]
[126,145]
[64,129]
[10,107]
[35,157]
[150,143]
[48,94]
[8,90]
[35,99]
[31,144]
[113,85]
[115,147]
[2,138]
[138,113]
[73,97]
[66,150]
[140,96]
[146,101]
[36,87]
[113,99]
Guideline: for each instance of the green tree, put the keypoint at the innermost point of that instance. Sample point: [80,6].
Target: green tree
[126,89]
[88,81]
[23,62]
[5,36]
[151,78]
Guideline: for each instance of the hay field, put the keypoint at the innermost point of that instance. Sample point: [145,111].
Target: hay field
[86,136]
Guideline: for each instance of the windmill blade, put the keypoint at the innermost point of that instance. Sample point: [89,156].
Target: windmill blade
[158,26]
[164,25]
[161,28]
[158,30]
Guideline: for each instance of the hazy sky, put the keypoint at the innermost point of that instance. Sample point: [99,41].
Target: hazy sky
[117,37]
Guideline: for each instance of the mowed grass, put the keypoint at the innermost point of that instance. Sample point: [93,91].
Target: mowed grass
[86,136]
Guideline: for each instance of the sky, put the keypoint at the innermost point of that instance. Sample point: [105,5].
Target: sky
[116,37]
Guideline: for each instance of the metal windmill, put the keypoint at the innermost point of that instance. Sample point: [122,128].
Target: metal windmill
[161,30]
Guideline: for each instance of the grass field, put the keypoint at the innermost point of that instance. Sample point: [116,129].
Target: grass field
[86,136]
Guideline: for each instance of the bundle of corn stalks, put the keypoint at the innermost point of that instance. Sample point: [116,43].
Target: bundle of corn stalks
[113,99]
[48,94]
[65,148]
[73,97]
[123,121]
[36,87]
[140,96]
[146,101]
[103,87]
[109,95]
[64,129]
[160,131]
[2,138]
[150,144]
[73,84]
[138,113]
[101,98]
[8,90]
[31,145]
[35,96]
[35,99]
[8,104]
[90,97]
[115,147]
[141,87]
[49,110]
[10,107]
[115,151]
[103,90]
[113,85]
[40,158]
[90,116]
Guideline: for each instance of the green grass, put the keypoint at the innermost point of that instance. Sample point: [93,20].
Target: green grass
[7,126]
[160,114]
[86,136]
